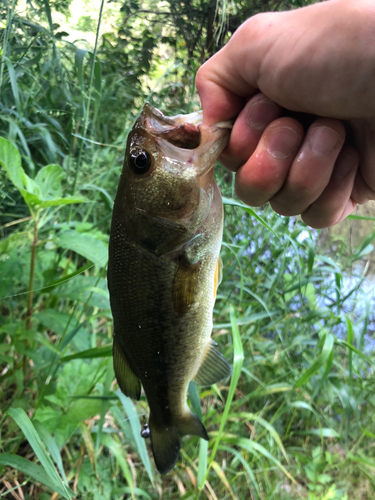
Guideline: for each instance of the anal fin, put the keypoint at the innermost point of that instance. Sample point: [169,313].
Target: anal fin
[213,368]
[129,383]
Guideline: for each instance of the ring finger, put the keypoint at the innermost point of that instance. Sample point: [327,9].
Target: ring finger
[312,167]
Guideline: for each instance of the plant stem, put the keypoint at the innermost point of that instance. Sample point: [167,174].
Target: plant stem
[87,113]
[32,269]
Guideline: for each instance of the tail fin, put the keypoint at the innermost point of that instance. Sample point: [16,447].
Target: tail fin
[166,439]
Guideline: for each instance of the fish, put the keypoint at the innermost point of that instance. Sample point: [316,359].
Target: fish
[163,271]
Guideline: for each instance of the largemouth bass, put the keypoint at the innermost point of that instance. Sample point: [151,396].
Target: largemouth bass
[164,268]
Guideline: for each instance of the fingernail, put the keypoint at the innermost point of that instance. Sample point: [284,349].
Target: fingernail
[323,140]
[282,142]
[262,113]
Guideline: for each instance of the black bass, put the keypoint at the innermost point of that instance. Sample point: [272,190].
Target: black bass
[163,271]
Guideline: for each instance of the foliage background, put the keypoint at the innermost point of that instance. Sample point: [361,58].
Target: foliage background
[294,310]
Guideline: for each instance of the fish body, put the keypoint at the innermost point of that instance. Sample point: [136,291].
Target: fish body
[164,268]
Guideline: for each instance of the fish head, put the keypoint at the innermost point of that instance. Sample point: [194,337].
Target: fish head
[168,167]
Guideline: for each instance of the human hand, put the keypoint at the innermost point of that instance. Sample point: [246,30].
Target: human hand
[318,60]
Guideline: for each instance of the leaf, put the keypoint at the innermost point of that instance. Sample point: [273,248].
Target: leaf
[10,159]
[323,432]
[266,425]
[25,424]
[97,72]
[362,459]
[250,211]
[118,452]
[245,466]
[195,399]
[309,292]
[96,352]
[43,191]
[318,363]
[223,478]
[50,442]
[255,448]
[14,84]
[238,358]
[68,200]
[49,181]
[136,429]
[202,461]
[78,59]
[86,245]
[35,471]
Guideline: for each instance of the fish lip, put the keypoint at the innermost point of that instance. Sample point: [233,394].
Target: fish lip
[182,131]
[183,142]
[176,130]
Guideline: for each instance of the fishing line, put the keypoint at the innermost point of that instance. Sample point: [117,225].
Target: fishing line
[138,417]
[57,284]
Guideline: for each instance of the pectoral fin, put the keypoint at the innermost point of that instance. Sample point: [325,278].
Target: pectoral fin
[213,368]
[218,275]
[184,286]
[129,384]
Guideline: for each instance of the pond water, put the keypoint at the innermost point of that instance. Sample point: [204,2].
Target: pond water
[356,237]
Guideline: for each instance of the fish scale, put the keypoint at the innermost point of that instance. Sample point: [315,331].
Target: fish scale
[163,271]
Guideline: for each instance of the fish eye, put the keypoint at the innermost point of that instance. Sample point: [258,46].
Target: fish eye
[140,162]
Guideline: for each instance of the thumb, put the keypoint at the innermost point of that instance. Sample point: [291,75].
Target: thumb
[226,81]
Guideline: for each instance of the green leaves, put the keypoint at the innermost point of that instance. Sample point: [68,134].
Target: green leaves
[136,429]
[47,475]
[238,358]
[250,211]
[86,245]
[34,471]
[43,191]
[10,159]
[324,359]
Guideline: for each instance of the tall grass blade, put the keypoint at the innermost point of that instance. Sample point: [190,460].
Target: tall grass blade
[25,424]
[105,404]
[4,51]
[118,452]
[35,471]
[238,357]
[255,448]
[50,442]
[320,361]
[202,461]
[136,429]
[349,338]
[87,110]
[250,211]
[244,463]
[216,467]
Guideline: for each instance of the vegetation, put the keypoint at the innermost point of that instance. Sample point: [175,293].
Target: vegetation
[293,311]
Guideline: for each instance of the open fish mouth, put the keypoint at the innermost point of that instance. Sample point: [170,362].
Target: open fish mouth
[183,131]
